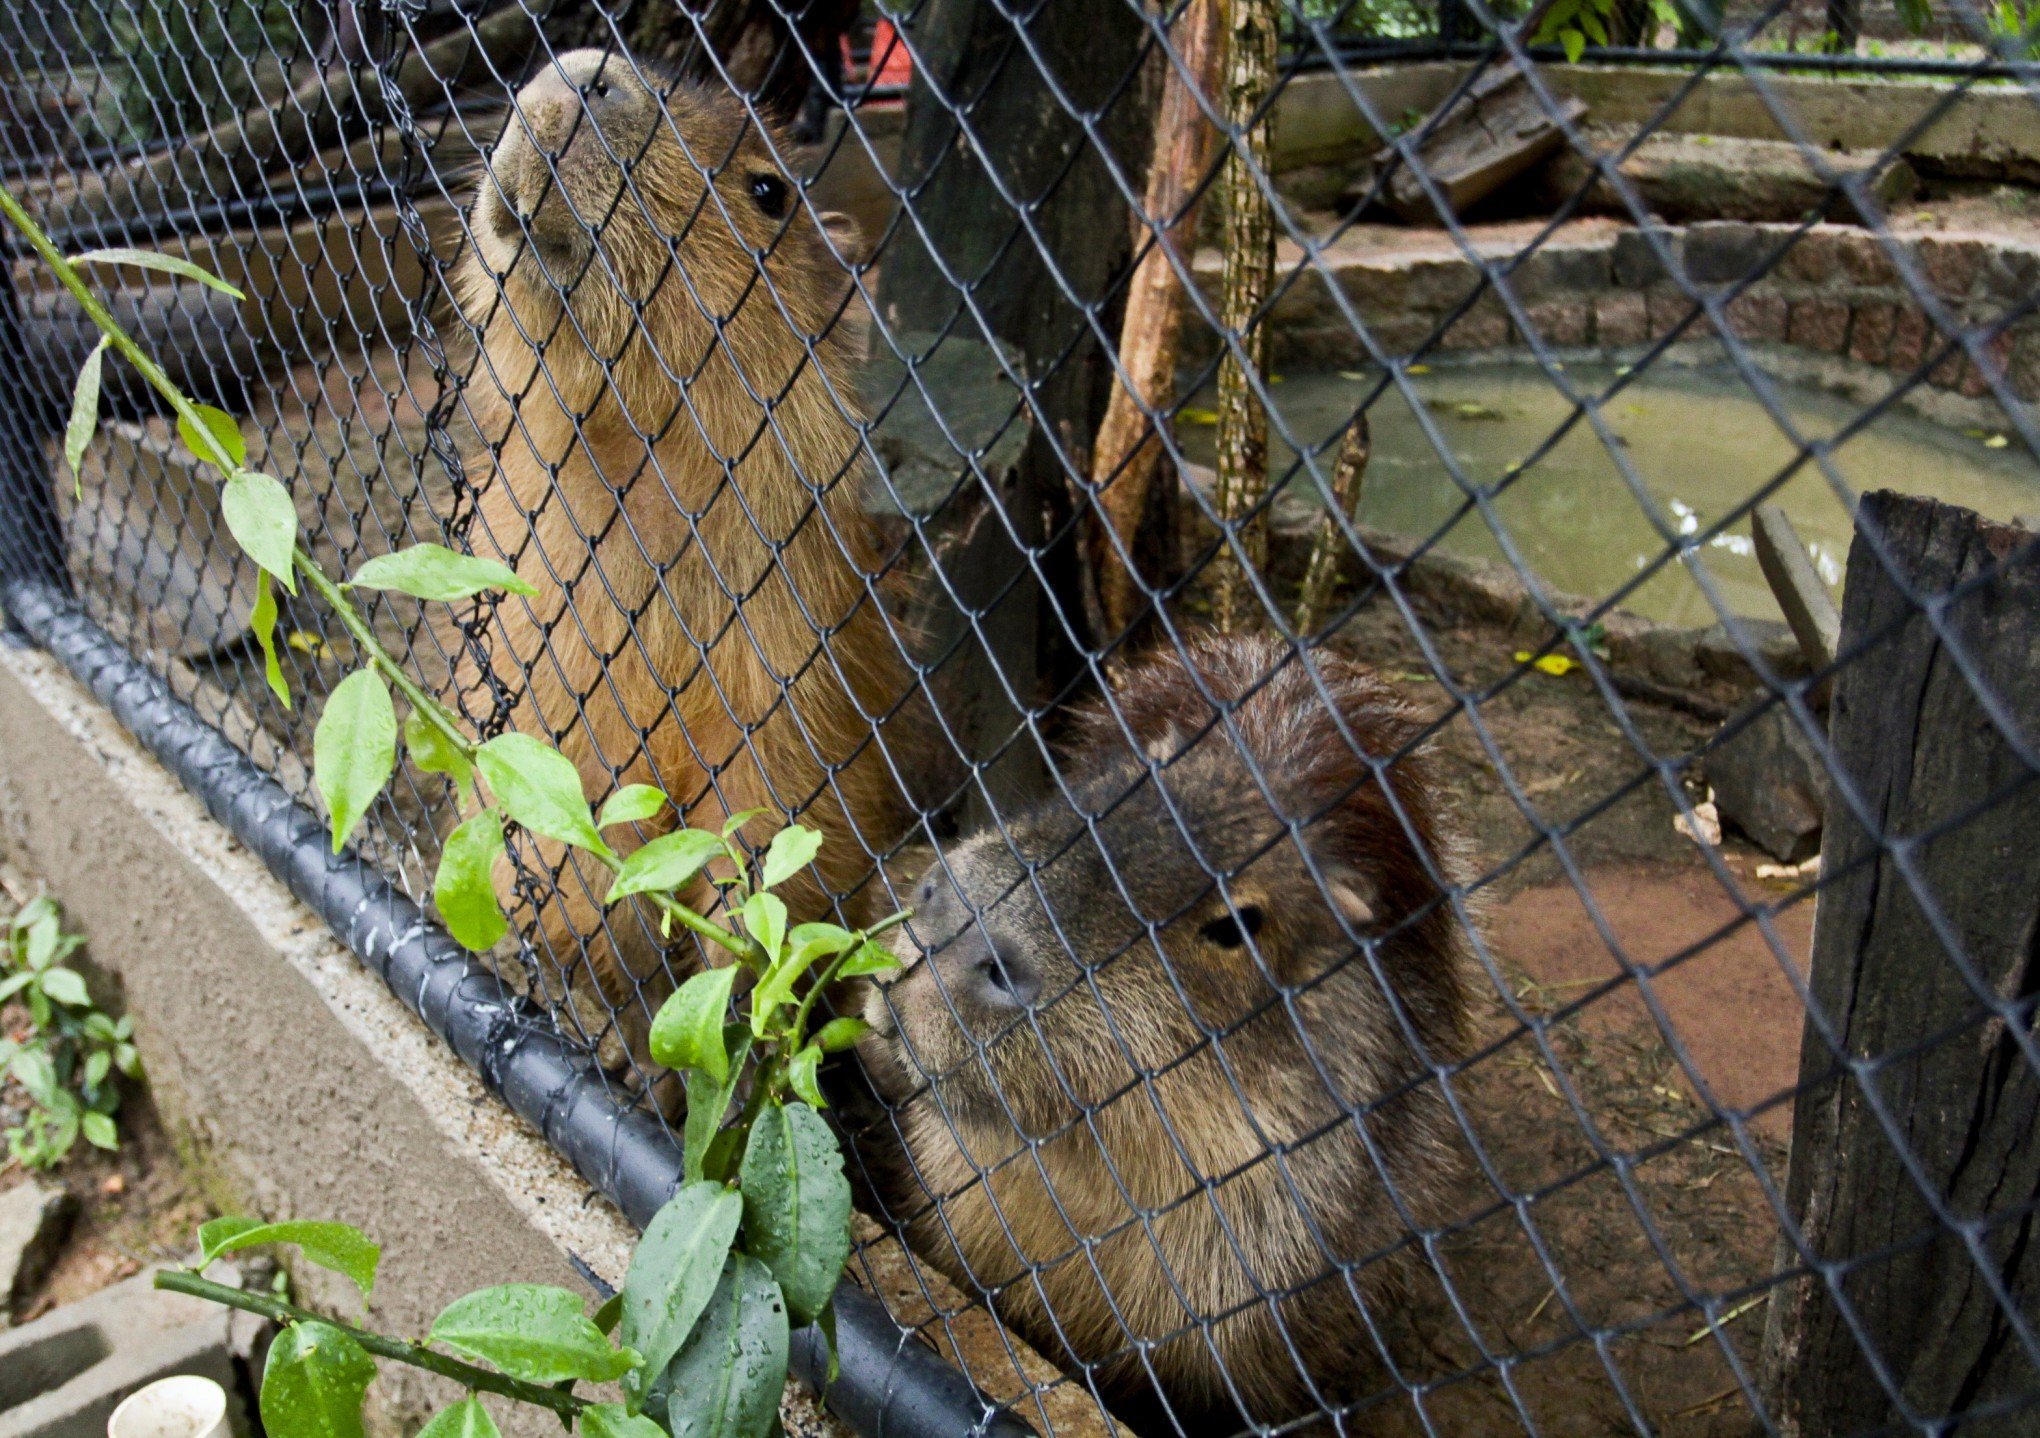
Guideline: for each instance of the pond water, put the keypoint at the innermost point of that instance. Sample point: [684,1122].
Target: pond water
[1695,438]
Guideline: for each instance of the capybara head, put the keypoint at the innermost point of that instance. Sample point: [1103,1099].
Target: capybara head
[620,203]
[1163,1055]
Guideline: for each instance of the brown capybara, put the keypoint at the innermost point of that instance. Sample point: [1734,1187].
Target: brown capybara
[673,460]
[1152,1114]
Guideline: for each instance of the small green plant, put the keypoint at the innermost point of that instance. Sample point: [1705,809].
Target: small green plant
[1573,23]
[67,1060]
[756,1237]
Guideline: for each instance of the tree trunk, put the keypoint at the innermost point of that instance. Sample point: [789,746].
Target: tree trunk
[1128,452]
[1926,960]
[1249,244]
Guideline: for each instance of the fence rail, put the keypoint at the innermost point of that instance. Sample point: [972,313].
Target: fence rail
[1266,523]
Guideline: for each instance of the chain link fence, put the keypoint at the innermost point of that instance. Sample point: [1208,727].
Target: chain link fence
[1364,580]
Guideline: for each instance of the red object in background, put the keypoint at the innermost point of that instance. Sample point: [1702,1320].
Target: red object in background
[890,62]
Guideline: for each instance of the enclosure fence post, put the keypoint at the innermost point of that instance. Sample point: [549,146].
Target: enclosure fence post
[31,534]
[1921,1330]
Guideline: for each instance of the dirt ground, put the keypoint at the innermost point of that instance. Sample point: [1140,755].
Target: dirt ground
[1605,1201]
[135,1206]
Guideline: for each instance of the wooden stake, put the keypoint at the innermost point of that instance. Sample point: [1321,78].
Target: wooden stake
[1253,33]
[1128,452]
[1328,548]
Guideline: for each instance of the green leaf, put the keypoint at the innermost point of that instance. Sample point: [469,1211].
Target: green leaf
[687,1032]
[99,1131]
[432,571]
[531,1331]
[825,1323]
[839,1034]
[870,958]
[354,749]
[613,1420]
[540,788]
[802,1076]
[433,752]
[314,1381]
[1575,45]
[84,414]
[33,1070]
[97,1065]
[631,804]
[66,986]
[807,943]
[738,820]
[14,985]
[262,620]
[765,921]
[726,1382]
[610,1313]
[263,521]
[222,434]
[150,260]
[344,1249]
[673,1273]
[793,849]
[665,863]
[466,1419]
[797,1205]
[465,886]
[708,1100]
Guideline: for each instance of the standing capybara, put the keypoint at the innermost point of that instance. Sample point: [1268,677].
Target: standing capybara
[663,384]
[1152,1114]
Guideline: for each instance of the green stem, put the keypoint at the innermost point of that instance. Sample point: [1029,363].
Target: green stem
[479,1380]
[797,1030]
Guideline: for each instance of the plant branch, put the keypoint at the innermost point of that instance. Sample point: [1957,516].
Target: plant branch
[479,1380]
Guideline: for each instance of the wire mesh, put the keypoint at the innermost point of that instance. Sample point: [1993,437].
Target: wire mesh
[1357,995]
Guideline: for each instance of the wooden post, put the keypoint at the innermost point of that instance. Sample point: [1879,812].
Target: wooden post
[1025,143]
[1150,338]
[1910,733]
[1253,35]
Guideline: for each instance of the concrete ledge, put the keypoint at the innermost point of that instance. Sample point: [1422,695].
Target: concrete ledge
[295,1081]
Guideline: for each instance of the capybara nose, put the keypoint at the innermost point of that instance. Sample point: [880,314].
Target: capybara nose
[983,969]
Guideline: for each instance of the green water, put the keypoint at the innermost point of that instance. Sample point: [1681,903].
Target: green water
[1696,440]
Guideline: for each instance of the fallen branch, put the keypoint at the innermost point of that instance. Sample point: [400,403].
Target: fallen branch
[1348,474]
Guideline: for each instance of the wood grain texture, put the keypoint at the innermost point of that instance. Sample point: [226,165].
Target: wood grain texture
[1944,779]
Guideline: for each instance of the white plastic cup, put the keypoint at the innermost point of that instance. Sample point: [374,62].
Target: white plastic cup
[186,1406]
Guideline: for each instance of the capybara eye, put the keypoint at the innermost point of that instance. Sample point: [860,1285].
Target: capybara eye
[1229,931]
[599,89]
[770,193]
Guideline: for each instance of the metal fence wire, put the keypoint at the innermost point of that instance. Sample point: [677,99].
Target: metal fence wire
[1301,537]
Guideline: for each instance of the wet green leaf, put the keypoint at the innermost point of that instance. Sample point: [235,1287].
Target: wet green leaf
[263,521]
[531,1331]
[539,787]
[839,1034]
[797,1205]
[432,571]
[466,1419]
[313,1383]
[354,749]
[666,863]
[674,1271]
[433,752]
[870,958]
[726,1382]
[806,944]
[687,1032]
[610,1313]
[344,1249]
[613,1420]
[765,921]
[802,1075]
[465,886]
[708,1100]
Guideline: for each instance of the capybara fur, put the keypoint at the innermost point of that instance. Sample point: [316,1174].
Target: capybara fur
[1173,1123]
[664,386]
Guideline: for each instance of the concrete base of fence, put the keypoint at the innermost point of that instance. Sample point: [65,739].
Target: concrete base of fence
[297,1084]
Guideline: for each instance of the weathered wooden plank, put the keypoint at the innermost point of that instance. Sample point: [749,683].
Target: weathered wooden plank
[1796,585]
[1927,756]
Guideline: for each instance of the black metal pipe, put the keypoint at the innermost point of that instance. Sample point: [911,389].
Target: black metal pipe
[889,1384]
